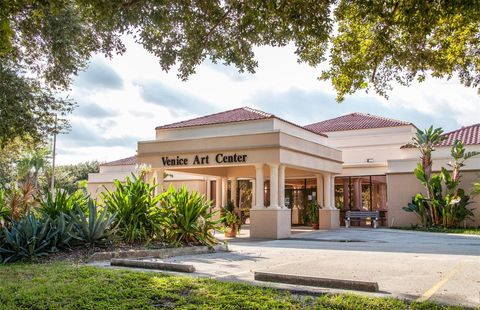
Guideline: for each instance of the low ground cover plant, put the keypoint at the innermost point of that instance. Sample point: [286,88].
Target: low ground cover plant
[63,286]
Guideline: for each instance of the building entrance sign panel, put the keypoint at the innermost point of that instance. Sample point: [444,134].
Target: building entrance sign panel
[196,160]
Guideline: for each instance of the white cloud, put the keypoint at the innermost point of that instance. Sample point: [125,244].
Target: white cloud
[113,111]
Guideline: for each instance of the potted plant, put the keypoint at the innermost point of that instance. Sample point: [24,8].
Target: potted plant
[231,223]
[313,214]
[230,220]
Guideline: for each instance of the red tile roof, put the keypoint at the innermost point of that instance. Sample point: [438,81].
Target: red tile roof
[122,162]
[355,121]
[236,115]
[468,135]
[231,116]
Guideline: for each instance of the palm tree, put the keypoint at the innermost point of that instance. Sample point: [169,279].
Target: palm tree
[30,166]
[425,141]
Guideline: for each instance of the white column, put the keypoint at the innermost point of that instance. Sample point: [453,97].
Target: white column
[158,179]
[218,193]
[224,191]
[281,186]
[327,191]
[259,191]
[320,190]
[254,193]
[357,193]
[332,193]
[273,186]
[208,189]
[234,190]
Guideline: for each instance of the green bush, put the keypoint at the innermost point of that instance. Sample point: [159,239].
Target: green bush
[27,239]
[93,229]
[187,219]
[53,206]
[138,217]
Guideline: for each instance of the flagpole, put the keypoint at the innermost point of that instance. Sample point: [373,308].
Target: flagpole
[52,184]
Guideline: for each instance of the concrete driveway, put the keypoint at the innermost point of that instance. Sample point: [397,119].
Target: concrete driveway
[413,265]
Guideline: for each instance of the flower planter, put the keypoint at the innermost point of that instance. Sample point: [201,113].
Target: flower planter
[231,232]
[315,226]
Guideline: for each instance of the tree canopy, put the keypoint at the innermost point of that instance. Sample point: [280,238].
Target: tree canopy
[369,44]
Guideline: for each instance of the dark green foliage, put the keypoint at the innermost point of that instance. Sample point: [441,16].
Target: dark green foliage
[138,218]
[187,218]
[27,239]
[93,229]
[62,202]
[70,177]
[313,212]
[64,226]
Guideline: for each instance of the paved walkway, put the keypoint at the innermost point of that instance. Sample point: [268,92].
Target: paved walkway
[413,265]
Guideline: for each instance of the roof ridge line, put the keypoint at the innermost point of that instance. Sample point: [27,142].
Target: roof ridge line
[199,117]
[461,128]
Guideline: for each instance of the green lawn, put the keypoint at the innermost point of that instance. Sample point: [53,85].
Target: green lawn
[464,231]
[63,286]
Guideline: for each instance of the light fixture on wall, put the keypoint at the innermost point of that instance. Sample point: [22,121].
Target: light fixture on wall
[369,160]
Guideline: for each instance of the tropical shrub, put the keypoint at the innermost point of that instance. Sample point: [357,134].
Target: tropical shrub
[64,226]
[27,239]
[136,205]
[62,202]
[187,219]
[93,229]
[19,199]
[445,204]
[4,211]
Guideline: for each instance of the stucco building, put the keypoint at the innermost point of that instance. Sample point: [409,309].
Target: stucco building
[274,168]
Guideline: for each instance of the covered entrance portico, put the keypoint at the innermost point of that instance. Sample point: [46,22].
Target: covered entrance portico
[264,158]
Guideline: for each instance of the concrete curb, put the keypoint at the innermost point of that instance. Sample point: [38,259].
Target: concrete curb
[158,253]
[318,282]
[145,264]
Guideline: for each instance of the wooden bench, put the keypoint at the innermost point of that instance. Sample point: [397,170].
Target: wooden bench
[374,216]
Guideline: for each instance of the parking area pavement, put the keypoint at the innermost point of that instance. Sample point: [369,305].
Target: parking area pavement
[414,265]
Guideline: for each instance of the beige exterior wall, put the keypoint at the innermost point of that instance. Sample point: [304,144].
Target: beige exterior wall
[401,187]
[378,145]
[94,189]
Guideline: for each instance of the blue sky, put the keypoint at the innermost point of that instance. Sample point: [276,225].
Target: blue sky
[121,100]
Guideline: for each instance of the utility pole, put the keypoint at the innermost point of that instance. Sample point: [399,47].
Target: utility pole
[52,184]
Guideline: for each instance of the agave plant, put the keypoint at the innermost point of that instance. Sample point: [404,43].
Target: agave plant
[94,229]
[138,217]
[62,202]
[187,219]
[64,226]
[27,239]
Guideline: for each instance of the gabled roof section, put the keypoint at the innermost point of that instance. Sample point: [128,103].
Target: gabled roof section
[231,116]
[355,121]
[469,135]
[122,162]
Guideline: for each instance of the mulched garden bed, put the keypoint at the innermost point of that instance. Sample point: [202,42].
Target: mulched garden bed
[82,254]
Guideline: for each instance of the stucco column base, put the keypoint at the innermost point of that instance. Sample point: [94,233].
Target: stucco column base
[329,219]
[270,223]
